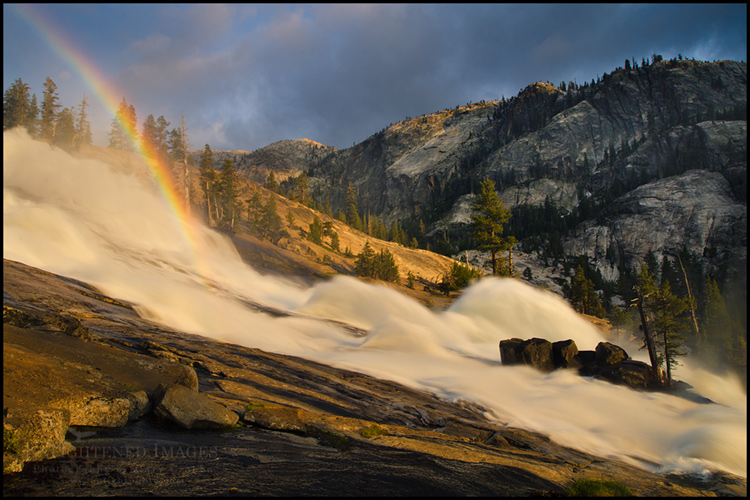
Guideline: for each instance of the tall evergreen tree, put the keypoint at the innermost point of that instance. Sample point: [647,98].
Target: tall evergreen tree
[83,127]
[65,129]
[207,181]
[229,190]
[49,110]
[352,211]
[16,105]
[271,183]
[149,141]
[716,326]
[270,223]
[669,323]
[488,221]
[32,117]
[175,144]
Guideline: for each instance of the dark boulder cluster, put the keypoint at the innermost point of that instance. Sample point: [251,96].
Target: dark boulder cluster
[608,361]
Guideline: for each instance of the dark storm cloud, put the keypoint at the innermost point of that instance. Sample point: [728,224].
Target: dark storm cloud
[246,76]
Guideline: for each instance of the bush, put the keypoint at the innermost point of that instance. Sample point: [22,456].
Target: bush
[380,266]
[458,277]
[373,431]
[598,488]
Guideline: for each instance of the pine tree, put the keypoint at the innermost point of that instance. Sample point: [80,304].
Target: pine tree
[488,221]
[352,211]
[316,231]
[162,135]
[668,325]
[83,127]
[16,105]
[207,181]
[270,223]
[716,326]
[229,189]
[385,267]
[254,208]
[49,109]
[364,265]
[645,290]
[175,144]
[31,121]
[149,139]
[271,183]
[123,127]
[65,129]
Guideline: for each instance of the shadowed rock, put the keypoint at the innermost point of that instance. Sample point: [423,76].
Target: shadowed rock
[190,409]
[609,354]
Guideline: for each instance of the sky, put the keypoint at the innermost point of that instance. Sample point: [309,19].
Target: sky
[248,75]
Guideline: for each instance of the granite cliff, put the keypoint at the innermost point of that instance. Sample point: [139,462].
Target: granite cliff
[589,152]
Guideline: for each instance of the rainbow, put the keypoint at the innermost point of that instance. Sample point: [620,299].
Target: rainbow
[109,96]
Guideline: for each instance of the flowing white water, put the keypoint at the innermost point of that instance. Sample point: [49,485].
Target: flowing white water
[94,222]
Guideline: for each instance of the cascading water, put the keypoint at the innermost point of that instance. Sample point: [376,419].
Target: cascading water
[100,223]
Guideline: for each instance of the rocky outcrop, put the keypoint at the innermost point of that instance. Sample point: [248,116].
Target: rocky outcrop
[190,409]
[608,361]
[695,211]
[322,425]
[288,158]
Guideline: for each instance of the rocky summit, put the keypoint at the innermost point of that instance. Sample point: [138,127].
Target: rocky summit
[649,157]
[121,405]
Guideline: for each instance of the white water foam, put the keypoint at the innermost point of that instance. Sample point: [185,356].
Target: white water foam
[94,222]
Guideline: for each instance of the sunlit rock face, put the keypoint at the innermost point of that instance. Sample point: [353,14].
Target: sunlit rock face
[635,136]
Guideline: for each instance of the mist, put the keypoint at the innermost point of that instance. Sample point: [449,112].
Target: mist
[109,224]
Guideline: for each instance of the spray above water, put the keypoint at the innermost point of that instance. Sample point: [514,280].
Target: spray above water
[89,220]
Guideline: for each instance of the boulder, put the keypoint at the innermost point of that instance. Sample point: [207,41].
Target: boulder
[608,354]
[33,433]
[190,409]
[277,418]
[510,351]
[95,409]
[538,353]
[564,354]
[629,372]
[139,404]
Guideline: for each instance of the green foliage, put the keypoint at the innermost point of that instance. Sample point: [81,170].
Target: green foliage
[721,339]
[49,109]
[459,277]
[65,129]
[123,127]
[271,183]
[372,431]
[380,266]
[10,441]
[227,195]
[583,295]
[270,222]
[352,212]
[668,322]
[598,488]
[254,406]
[488,222]
[15,104]
[315,234]
[332,439]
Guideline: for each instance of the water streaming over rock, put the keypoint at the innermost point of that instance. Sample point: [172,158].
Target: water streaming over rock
[105,222]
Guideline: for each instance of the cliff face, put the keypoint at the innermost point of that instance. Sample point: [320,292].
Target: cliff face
[630,138]
[634,135]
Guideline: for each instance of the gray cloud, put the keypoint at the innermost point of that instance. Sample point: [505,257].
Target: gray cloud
[247,76]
